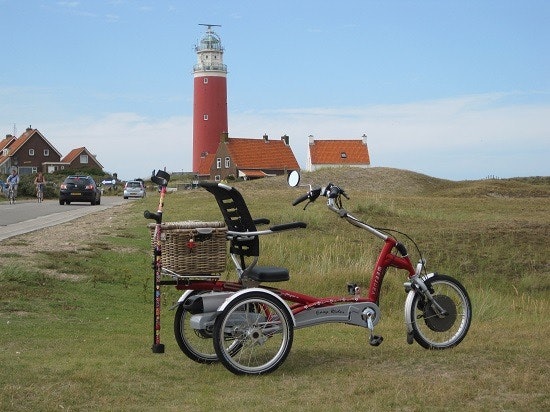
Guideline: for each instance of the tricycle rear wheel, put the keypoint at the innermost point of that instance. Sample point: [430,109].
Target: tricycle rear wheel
[253,335]
[196,344]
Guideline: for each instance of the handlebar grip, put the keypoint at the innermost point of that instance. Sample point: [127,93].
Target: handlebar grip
[300,199]
[157,217]
[261,221]
[286,226]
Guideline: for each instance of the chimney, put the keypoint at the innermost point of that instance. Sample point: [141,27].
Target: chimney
[225,137]
[311,140]
[29,128]
[9,136]
[285,138]
[364,137]
[266,138]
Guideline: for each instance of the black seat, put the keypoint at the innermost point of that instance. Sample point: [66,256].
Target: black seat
[238,219]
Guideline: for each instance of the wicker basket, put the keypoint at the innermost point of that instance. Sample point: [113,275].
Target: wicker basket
[193,248]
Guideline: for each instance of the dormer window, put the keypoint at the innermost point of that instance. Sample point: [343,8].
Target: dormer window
[343,155]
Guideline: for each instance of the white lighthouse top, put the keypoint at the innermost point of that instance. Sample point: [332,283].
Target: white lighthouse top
[209,52]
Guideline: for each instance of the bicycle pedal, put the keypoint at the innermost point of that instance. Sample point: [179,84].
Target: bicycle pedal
[375,340]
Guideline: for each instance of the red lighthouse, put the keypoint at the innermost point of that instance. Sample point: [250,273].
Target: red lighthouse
[209,96]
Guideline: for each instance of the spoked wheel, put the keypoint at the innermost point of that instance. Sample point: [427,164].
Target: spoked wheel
[253,335]
[196,344]
[434,330]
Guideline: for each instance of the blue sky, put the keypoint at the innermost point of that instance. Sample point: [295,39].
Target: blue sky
[453,89]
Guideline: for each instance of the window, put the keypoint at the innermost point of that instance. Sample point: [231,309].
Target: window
[343,155]
[205,80]
[219,163]
[46,152]
[31,152]
[83,159]
[217,178]
[227,162]
[205,117]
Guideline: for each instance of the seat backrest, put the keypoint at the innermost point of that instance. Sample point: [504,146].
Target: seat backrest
[236,216]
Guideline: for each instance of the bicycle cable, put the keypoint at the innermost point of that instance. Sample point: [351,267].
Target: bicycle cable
[389,231]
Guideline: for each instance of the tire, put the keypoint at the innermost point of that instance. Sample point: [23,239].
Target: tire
[61,202]
[196,344]
[253,335]
[432,331]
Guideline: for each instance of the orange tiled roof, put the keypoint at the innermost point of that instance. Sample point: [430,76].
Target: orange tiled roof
[205,163]
[6,142]
[73,154]
[21,140]
[261,154]
[252,173]
[344,152]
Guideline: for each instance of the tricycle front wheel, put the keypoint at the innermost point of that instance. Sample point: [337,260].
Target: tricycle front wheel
[435,331]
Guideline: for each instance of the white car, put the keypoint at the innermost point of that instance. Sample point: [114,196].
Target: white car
[134,188]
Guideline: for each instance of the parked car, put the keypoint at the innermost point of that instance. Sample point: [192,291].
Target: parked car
[79,189]
[134,188]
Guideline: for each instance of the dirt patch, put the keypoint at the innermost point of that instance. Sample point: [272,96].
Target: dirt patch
[68,237]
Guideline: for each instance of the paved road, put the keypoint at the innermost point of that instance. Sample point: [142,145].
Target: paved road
[27,216]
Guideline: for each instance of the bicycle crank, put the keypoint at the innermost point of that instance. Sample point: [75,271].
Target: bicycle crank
[368,315]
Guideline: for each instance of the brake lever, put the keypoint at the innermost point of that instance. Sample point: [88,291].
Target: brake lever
[308,203]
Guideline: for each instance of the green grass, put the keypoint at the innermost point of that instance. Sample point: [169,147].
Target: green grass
[76,327]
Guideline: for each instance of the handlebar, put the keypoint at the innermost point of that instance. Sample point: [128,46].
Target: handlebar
[334,195]
[331,191]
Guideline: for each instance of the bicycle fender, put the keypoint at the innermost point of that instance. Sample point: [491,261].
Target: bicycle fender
[250,290]
[408,304]
[182,299]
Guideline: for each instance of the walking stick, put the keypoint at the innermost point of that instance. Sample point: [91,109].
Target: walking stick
[161,178]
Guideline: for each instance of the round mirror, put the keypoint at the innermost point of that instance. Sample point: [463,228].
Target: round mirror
[294,178]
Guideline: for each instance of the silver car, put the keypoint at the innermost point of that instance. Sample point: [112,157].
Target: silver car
[134,188]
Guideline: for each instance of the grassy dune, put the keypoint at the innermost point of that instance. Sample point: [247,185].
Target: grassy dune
[76,311]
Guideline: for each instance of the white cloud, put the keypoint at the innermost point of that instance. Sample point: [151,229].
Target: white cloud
[468,137]
[127,143]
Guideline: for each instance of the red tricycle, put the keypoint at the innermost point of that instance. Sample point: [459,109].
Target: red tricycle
[249,327]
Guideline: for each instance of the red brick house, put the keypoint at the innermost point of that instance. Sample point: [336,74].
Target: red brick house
[30,152]
[252,158]
[81,158]
[336,153]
